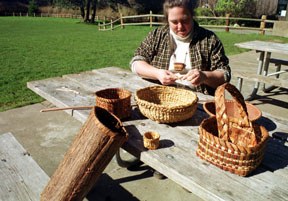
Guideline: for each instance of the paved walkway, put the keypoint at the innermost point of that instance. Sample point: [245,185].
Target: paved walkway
[47,136]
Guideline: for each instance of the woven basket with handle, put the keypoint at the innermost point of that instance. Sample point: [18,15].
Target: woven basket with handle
[232,144]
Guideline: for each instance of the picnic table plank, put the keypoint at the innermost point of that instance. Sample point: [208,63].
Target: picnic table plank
[63,93]
[176,157]
[21,177]
[281,48]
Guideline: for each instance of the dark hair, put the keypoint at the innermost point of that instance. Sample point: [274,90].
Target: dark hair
[190,5]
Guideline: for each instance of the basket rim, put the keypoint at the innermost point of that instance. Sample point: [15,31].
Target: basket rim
[205,107]
[129,94]
[147,103]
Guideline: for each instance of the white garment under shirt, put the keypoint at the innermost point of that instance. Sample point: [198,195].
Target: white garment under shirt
[181,54]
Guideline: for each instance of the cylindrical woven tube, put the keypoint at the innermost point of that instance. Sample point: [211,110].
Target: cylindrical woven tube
[90,152]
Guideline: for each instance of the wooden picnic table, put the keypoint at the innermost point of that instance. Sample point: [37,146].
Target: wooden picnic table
[265,50]
[176,158]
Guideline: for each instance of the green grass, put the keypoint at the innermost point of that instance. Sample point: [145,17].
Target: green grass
[38,48]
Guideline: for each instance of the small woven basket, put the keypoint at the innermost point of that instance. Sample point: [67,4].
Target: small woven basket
[151,140]
[166,104]
[233,144]
[115,100]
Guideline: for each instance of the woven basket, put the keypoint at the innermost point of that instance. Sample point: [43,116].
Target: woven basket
[115,100]
[231,107]
[232,144]
[165,104]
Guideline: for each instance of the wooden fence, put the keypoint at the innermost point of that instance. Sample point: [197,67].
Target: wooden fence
[227,23]
[149,19]
[58,15]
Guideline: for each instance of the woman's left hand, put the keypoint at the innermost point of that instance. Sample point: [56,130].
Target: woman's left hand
[195,76]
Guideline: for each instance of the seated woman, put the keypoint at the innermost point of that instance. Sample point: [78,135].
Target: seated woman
[182,40]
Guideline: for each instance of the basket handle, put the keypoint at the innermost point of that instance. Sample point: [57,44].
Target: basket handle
[236,130]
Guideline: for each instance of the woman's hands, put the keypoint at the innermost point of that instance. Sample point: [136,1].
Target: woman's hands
[194,76]
[166,77]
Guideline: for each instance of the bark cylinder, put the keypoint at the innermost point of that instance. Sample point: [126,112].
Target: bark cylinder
[87,157]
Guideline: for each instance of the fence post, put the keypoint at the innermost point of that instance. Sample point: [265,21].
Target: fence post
[151,20]
[104,23]
[262,24]
[111,24]
[227,22]
[121,21]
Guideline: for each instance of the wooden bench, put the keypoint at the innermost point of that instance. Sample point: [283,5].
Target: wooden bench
[259,78]
[20,176]
[278,63]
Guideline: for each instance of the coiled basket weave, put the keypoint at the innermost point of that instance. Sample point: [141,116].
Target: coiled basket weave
[166,104]
[233,144]
[115,100]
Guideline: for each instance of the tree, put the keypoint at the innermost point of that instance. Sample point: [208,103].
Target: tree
[237,8]
[32,7]
[86,6]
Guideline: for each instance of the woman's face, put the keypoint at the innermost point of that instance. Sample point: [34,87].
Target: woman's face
[180,21]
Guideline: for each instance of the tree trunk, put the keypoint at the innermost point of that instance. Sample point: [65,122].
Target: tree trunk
[94,5]
[87,17]
[87,157]
[82,9]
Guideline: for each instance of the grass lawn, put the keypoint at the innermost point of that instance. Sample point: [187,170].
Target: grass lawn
[38,48]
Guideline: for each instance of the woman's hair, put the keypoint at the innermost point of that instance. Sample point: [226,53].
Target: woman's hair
[190,5]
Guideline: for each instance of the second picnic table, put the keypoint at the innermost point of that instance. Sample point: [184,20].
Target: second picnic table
[176,158]
[265,50]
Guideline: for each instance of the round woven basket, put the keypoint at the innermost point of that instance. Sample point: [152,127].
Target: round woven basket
[165,104]
[115,100]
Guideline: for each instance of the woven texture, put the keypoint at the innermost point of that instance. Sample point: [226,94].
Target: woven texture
[115,100]
[232,144]
[166,104]
[151,140]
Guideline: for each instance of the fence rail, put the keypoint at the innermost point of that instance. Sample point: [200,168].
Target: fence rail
[151,19]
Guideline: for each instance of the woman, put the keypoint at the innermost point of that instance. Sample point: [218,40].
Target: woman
[182,40]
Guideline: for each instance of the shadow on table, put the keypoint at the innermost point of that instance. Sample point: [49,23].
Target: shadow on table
[276,153]
[275,157]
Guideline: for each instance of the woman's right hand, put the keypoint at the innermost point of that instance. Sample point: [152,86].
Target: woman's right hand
[166,77]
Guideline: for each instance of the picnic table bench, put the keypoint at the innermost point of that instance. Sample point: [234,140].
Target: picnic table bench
[176,158]
[21,178]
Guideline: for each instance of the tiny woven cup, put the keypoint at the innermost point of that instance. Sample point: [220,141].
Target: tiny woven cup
[151,140]
[179,66]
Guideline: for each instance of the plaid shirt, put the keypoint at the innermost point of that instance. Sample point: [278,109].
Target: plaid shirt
[206,52]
